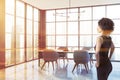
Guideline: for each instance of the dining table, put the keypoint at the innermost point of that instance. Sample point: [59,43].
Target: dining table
[40,56]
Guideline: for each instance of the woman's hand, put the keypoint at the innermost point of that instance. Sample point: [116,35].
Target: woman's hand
[97,64]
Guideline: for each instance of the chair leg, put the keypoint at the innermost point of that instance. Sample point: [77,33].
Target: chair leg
[86,67]
[53,65]
[38,62]
[74,66]
[43,65]
[91,62]
[48,64]
[66,58]
[56,63]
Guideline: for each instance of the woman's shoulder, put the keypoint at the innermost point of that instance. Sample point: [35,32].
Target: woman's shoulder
[106,37]
[100,37]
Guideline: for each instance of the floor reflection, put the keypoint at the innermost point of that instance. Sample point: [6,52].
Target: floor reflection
[31,71]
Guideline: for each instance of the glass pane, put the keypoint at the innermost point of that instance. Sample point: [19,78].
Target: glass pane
[50,40]
[19,25]
[113,11]
[116,40]
[95,25]
[94,40]
[9,6]
[20,41]
[20,8]
[116,27]
[10,58]
[50,28]
[85,13]
[29,41]
[35,27]
[36,14]
[116,55]
[29,54]
[85,27]
[73,14]
[9,23]
[29,27]
[35,41]
[60,40]
[72,40]
[86,40]
[98,12]
[72,27]
[29,12]
[19,33]
[35,46]
[8,42]
[61,15]
[35,53]
[20,56]
[61,28]
[50,15]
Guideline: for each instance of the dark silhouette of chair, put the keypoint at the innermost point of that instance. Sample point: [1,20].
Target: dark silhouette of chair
[50,55]
[81,57]
[91,55]
[63,55]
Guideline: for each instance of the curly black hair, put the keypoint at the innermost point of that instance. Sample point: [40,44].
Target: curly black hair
[106,24]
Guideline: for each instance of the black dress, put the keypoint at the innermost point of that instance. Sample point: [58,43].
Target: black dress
[105,66]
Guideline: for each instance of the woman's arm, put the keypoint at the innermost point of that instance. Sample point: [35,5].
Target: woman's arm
[111,50]
[98,46]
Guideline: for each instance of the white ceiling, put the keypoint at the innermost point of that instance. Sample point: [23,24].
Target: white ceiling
[54,4]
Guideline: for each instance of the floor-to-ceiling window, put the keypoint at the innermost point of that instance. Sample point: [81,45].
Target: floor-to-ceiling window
[85,24]
[60,28]
[77,27]
[29,32]
[114,14]
[9,30]
[73,28]
[36,23]
[50,31]
[21,30]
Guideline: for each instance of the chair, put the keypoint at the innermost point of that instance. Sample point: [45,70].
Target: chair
[63,55]
[91,55]
[50,55]
[81,57]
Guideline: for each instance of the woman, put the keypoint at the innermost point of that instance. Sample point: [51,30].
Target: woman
[104,48]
